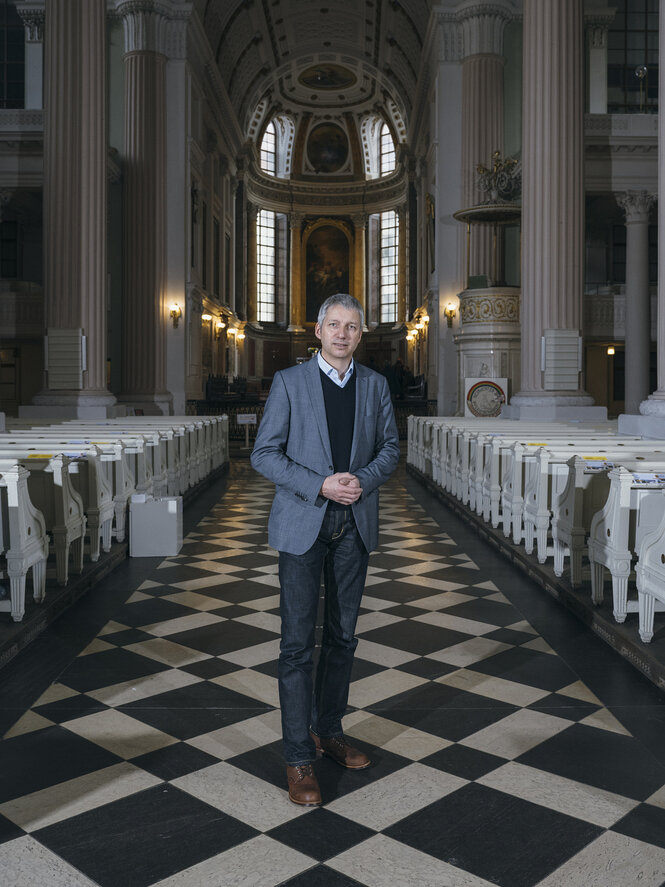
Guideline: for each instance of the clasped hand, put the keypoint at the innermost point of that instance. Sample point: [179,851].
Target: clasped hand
[342,487]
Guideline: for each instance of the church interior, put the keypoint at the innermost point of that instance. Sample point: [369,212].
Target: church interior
[182,185]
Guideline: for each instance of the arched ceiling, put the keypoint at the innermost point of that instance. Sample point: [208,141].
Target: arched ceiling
[317,54]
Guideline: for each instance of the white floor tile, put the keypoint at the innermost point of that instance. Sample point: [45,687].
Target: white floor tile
[494,688]
[236,739]
[566,796]
[120,734]
[612,860]
[382,862]
[251,683]
[516,733]
[27,863]
[260,862]
[380,686]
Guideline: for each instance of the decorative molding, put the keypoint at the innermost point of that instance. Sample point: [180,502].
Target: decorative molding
[485,308]
[13,120]
[451,41]
[154,26]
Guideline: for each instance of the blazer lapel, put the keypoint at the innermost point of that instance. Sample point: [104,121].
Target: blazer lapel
[318,406]
[361,400]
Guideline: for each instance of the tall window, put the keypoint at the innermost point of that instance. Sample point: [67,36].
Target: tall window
[387,157]
[388,260]
[12,57]
[266,255]
[268,150]
[632,58]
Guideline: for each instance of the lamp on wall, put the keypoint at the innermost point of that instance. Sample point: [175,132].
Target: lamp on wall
[450,311]
[175,313]
[610,350]
[219,326]
[206,318]
[240,337]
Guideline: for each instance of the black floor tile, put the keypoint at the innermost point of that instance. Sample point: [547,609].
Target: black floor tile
[174,761]
[528,667]
[505,840]
[9,831]
[565,707]
[38,760]
[321,876]
[67,709]
[129,636]
[467,763]
[415,637]
[493,612]
[426,668]
[144,838]
[108,667]
[321,834]
[191,711]
[645,823]
[223,637]
[445,711]
[210,668]
[607,760]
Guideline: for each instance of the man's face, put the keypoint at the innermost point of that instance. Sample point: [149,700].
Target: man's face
[340,334]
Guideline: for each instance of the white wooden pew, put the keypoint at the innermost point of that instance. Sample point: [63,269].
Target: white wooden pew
[91,476]
[24,542]
[122,452]
[632,510]
[650,577]
[584,494]
[51,491]
[545,474]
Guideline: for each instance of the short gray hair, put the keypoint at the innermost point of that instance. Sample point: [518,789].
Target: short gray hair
[346,301]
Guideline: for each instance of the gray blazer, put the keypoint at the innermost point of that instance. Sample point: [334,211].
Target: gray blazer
[292,449]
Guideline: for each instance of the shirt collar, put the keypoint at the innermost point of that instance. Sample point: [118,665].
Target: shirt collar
[332,373]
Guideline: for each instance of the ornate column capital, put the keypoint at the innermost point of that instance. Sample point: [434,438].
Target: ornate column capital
[33,17]
[636,205]
[155,26]
[359,220]
[296,219]
[482,25]
[596,24]
[252,212]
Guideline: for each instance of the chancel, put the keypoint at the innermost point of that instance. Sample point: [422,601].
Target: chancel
[183,185]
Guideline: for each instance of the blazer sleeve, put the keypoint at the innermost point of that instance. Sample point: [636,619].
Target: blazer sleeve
[386,445]
[269,456]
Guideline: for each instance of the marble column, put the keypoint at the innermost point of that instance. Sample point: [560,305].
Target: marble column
[482,27]
[654,406]
[75,206]
[145,309]
[636,205]
[33,19]
[297,309]
[552,210]
[359,273]
[252,269]
[597,21]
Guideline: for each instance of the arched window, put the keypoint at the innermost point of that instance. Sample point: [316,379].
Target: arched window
[387,155]
[266,258]
[268,158]
[388,266]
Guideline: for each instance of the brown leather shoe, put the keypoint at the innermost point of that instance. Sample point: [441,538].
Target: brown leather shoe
[339,750]
[303,786]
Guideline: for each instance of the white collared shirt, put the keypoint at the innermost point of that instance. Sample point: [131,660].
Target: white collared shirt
[332,373]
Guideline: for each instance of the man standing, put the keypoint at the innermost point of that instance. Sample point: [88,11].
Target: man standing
[327,440]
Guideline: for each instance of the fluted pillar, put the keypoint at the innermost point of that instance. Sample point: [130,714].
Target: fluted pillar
[655,403]
[252,269]
[33,19]
[296,308]
[360,228]
[75,152]
[636,205]
[145,312]
[552,207]
[482,26]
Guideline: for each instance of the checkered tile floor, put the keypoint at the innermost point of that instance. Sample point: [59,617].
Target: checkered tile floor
[155,758]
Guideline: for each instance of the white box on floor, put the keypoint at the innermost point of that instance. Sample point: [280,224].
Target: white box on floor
[155,526]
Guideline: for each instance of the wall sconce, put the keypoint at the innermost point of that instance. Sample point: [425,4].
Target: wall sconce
[232,331]
[610,350]
[206,317]
[450,311]
[219,326]
[176,314]
[240,337]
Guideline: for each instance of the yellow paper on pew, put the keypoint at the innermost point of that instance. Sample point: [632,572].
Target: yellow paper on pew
[40,456]
[536,445]
[594,458]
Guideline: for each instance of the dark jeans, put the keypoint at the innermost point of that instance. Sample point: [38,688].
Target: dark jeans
[342,557]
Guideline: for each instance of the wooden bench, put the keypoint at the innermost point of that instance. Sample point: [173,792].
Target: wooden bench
[24,542]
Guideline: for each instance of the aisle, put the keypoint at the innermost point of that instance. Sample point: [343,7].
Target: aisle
[155,757]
